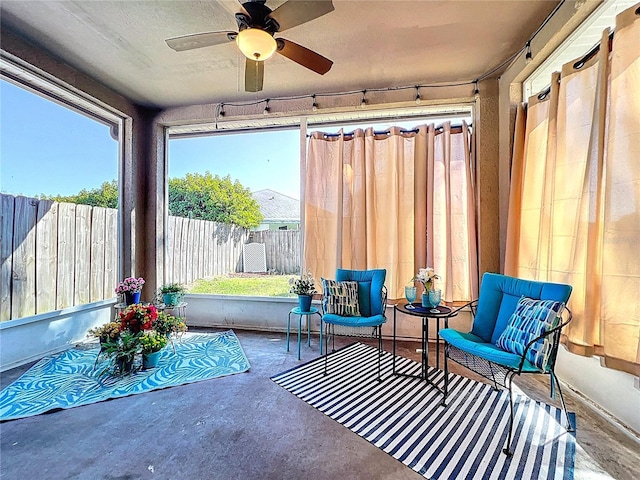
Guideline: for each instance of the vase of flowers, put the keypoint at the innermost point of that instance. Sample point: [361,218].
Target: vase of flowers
[130,288]
[304,287]
[138,317]
[427,277]
[152,343]
[109,332]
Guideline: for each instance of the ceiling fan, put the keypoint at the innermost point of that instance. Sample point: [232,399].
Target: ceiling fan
[257,25]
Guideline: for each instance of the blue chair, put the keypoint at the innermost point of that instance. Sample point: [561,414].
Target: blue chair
[482,350]
[372,297]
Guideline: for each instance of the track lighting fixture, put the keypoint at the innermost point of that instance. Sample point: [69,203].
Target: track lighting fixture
[527,56]
[221,112]
[363,103]
[476,91]
[314,106]
[418,98]
[266,107]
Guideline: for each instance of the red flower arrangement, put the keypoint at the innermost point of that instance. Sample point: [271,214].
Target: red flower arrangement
[138,317]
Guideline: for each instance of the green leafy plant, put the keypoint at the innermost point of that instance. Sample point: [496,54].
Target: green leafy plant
[203,196]
[153,341]
[210,197]
[172,288]
[123,350]
[305,285]
[104,196]
[170,294]
[167,324]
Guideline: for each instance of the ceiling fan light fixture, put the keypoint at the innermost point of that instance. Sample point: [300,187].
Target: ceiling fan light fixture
[256,44]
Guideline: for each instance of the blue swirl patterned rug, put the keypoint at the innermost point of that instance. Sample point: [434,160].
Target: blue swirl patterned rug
[72,378]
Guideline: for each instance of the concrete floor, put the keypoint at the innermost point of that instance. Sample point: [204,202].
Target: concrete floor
[244,427]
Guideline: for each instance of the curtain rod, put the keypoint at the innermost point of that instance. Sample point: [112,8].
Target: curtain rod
[581,62]
[591,53]
[439,129]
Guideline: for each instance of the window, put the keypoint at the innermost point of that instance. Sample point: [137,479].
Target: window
[207,256]
[57,253]
[250,179]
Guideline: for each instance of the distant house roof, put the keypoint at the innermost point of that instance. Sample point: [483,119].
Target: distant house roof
[276,207]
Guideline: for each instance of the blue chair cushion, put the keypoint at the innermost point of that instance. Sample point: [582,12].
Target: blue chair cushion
[340,298]
[531,319]
[499,296]
[474,345]
[372,321]
[370,285]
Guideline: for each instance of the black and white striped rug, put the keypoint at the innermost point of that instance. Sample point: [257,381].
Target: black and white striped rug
[403,417]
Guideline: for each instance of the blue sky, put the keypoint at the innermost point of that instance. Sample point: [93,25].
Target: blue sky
[266,160]
[49,149]
[46,148]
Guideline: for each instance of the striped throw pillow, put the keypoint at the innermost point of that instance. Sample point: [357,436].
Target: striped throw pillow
[531,319]
[340,298]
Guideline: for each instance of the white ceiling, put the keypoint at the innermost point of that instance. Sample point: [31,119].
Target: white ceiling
[373,44]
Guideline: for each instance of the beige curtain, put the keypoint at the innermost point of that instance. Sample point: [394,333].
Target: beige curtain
[574,211]
[396,200]
[620,314]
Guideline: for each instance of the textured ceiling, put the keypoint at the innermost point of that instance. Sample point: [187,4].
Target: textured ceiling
[373,44]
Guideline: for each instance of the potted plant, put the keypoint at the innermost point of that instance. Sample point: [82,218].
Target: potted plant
[172,293]
[304,287]
[130,287]
[152,343]
[138,317]
[109,332]
[167,324]
[123,351]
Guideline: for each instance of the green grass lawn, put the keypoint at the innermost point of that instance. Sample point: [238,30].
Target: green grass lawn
[263,285]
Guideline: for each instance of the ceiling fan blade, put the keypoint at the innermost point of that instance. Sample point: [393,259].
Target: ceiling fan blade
[253,75]
[303,56]
[292,13]
[199,40]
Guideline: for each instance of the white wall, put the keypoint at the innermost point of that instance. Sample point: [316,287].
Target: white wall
[271,313]
[28,339]
[616,392]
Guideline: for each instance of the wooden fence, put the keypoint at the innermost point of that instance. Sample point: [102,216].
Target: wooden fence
[201,249]
[56,255]
[282,249]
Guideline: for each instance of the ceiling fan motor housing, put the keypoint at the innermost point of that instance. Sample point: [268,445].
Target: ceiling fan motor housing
[258,17]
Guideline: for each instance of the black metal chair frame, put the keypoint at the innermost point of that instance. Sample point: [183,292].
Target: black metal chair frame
[501,375]
[376,332]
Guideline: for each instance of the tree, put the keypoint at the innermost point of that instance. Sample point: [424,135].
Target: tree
[210,197]
[104,196]
[206,197]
